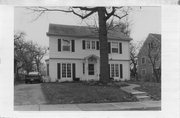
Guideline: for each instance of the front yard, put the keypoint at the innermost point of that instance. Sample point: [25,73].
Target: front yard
[79,92]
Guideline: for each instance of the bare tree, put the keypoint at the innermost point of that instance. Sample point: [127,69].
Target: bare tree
[39,54]
[27,55]
[134,50]
[19,49]
[154,55]
[104,14]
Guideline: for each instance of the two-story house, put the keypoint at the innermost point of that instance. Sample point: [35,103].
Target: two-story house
[149,56]
[74,54]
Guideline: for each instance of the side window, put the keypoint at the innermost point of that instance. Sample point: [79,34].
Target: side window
[143,61]
[66,44]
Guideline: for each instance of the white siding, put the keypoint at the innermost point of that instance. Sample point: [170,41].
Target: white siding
[79,69]
[80,53]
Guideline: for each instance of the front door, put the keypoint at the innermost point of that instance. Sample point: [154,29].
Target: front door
[91,71]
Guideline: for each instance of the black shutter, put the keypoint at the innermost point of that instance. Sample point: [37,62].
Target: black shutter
[121,71]
[109,47]
[72,45]
[47,69]
[97,45]
[83,68]
[83,44]
[109,70]
[74,70]
[58,70]
[59,44]
[120,48]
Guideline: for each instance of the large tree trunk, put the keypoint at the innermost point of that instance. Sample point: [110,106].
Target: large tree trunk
[104,68]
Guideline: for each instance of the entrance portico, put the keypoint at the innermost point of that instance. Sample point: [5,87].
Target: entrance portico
[91,67]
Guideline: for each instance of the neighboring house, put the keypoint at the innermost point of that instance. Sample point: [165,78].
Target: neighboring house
[150,56]
[74,54]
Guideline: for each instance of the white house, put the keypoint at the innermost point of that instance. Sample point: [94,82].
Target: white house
[74,54]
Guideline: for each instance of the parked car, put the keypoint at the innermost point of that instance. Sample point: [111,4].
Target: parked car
[33,77]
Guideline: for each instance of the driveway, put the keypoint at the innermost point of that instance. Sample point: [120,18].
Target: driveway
[28,94]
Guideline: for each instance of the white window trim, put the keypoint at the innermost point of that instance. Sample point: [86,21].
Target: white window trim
[117,47]
[62,46]
[115,70]
[90,45]
[66,70]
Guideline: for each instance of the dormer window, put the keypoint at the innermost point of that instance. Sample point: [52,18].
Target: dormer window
[66,44]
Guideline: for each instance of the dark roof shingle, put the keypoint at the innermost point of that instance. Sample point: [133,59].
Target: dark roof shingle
[82,31]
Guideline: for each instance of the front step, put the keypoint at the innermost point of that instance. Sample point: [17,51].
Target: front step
[139,93]
[143,98]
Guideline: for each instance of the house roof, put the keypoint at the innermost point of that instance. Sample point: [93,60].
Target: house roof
[157,36]
[151,36]
[82,31]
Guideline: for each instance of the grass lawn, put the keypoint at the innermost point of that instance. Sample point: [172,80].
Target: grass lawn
[153,89]
[62,93]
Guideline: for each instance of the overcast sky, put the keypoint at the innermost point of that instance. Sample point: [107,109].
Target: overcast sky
[144,21]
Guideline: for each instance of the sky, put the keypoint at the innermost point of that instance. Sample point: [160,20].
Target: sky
[143,21]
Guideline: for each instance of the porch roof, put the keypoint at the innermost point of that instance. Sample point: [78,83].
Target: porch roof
[90,56]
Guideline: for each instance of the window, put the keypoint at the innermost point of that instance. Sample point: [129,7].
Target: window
[88,45]
[63,70]
[114,70]
[66,70]
[66,45]
[91,69]
[93,44]
[143,60]
[114,47]
[143,71]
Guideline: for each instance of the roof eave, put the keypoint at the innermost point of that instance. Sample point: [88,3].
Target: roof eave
[50,34]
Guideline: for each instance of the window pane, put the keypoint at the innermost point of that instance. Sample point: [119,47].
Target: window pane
[115,50]
[88,44]
[117,70]
[68,70]
[112,70]
[63,70]
[66,45]
[93,44]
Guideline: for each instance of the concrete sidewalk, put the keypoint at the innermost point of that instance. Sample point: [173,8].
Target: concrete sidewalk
[117,106]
